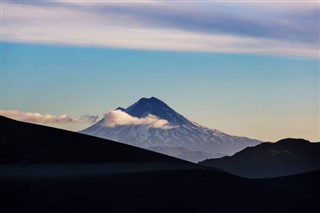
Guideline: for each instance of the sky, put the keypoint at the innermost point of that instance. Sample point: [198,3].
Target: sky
[247,68]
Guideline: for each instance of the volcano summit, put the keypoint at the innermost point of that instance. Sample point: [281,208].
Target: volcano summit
[152,124]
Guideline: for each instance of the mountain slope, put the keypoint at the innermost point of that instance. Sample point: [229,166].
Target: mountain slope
[183,133]
[28,143]
[285,157]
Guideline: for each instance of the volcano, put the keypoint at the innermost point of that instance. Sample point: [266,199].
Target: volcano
[176,136]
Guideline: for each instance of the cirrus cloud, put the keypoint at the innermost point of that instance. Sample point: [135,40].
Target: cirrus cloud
[290,28]
[120,118]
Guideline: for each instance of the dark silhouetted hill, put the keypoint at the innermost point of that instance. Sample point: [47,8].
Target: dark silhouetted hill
[283,158]
[29,143]
[48,170]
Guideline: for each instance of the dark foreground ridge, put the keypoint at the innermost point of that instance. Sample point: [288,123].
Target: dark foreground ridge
[49,170]
[25,143]
[285,157]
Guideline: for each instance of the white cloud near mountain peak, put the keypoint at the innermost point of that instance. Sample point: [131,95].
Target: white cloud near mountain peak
[120,118]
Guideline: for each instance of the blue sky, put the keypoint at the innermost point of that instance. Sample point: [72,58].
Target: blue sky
[248,71]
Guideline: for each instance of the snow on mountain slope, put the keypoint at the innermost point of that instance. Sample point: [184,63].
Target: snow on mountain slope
[191,141]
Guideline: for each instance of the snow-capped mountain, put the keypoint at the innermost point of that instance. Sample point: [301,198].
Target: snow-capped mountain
[153,125]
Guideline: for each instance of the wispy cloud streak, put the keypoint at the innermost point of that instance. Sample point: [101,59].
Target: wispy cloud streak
[236,27]
[33,117]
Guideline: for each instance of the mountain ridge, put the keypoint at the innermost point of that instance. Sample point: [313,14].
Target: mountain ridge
[286,157]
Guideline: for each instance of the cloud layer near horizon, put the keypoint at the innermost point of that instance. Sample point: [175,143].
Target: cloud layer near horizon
[33,117]
[290,28]
[120,118]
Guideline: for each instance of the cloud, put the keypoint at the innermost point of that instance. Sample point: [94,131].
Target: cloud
[120,118]
[237,27]
[34,117]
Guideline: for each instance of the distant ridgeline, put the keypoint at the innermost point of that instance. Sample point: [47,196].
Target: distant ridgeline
[285,157]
